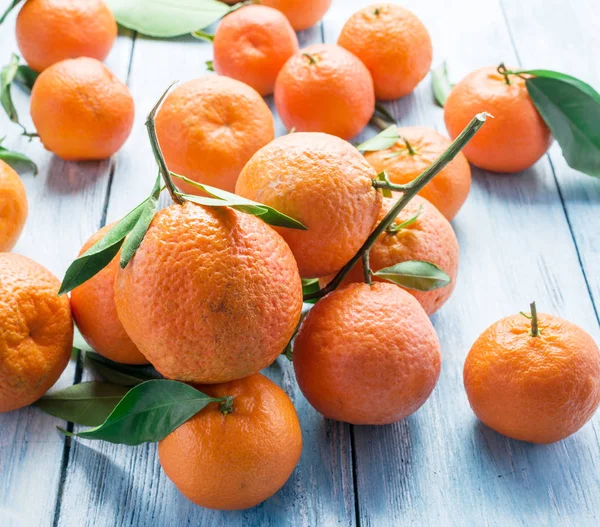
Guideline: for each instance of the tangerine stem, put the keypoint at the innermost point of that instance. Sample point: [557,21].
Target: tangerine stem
[535,332]
[226,406]
[158,155]
[503,71]
[409,147]
[310,58]
[409,192]
[366,267]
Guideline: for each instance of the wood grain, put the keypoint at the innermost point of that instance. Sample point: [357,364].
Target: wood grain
[66,205]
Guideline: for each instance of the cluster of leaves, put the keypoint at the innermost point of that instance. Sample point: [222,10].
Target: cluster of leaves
[569,106]
[133,405]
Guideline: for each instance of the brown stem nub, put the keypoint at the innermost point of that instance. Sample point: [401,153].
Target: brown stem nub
[535,331]
[226,406]
[158,155]
[503,71]
[310,58]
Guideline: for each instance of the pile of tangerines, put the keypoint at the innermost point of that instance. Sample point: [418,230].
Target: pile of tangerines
[213,294]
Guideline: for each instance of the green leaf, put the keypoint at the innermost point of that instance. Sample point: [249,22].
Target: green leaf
[385,139]
[167,18]
[26,77]
[16,158]
[382,176]
[148,413]
[441,83]
[393,229]
[117,373]
[203,35]
[310,285]
[7,76]
[133,241]
[10,7]
[222,198]
[88,403]
[415,274]
[99,255]
[571,109]
[210,65]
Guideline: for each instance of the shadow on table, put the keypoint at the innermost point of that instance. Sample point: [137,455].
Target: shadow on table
[66,177]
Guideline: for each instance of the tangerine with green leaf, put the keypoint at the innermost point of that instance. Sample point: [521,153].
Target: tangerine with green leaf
[533,377]
[419,232]
[211,295]
[95,313]
[252,44]
[36,331]
[416,149]
[49,31]
[393,44]
[323,182]
[13,207]
[236,454]
[210,127]
[515,138]
[367,354]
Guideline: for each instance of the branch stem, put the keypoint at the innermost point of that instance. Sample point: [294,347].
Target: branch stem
[409,192]
[366,267]
[535,331]
[156,150]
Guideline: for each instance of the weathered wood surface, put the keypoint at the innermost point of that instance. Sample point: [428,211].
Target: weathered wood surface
[522,237]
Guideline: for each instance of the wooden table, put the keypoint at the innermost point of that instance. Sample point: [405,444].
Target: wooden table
[527,236]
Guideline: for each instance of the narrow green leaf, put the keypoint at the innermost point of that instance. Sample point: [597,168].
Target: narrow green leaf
[385,139]
[116,373]
[26,77]
[99,255]
[140,229]
[441,83]
[210,65]
[167,18]
[222,198]
[415,274]
[310,285]
[7,76]
[148,413]
[10,7]
[87,403]
[15,158]
[382,176]
[392,229]
[203,35]
[571,109]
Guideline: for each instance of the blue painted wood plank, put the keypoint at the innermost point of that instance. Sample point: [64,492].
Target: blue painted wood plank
[66,203]
[440,466]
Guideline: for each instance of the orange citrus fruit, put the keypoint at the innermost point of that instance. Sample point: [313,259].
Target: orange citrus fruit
[323,182]
[324,88]
[448,190]
[95,313]
[36,331]
[302,14]
[235,460]
[208,128]
[252,44]
[13,207]
[517,136]
[81,110]
[49,31]
[429,238]
[367,354]
[534,388]
[393,44]
[211,295]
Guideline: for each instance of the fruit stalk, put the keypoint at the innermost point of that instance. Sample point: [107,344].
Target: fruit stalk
[535,332]
[409,191]
[158,155]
